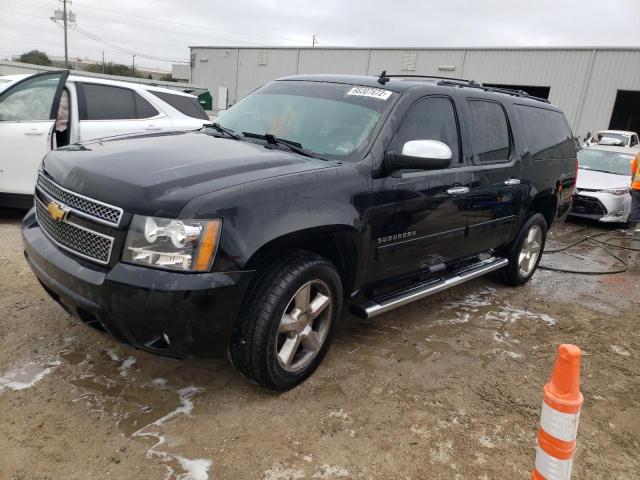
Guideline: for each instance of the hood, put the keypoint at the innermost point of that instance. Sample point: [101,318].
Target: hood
[157,174]
[593,180]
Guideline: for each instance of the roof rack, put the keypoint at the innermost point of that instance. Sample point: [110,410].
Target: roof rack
[462,82]
[507,91]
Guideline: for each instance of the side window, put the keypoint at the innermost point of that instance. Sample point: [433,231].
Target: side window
[188,106]
[31,100]
[634,140]
[430,118]
[547,132]
[106,102]
[490,131]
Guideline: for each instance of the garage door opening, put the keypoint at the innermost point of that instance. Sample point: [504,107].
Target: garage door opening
[626,111]
[542,92]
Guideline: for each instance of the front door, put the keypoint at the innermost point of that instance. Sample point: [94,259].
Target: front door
[421,224]
[28,110]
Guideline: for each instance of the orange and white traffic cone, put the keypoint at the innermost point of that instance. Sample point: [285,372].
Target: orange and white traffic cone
[559,417]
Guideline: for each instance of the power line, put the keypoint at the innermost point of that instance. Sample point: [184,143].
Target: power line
[123,49]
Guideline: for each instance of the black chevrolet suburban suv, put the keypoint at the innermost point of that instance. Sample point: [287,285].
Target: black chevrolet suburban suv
[246,237]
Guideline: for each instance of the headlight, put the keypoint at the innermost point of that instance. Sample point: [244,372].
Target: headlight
[185,245]
[618,192]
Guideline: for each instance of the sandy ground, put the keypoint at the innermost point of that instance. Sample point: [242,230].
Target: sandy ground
[448,387]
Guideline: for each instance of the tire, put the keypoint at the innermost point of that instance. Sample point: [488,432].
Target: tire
[276,342]
[520,270]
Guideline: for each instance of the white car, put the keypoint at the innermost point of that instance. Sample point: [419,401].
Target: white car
[602,190]
[50,110]
[620,138]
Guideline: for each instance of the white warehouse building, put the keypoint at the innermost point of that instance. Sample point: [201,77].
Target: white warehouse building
[597,88]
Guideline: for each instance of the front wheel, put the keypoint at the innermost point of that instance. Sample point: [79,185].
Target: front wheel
[287,323]
[525,252]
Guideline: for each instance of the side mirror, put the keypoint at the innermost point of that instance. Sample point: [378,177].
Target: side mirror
[420,155]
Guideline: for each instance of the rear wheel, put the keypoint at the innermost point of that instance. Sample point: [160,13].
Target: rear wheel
[287,322]
[525,252]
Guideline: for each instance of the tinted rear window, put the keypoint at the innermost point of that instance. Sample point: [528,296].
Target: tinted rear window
[490,130]
[106,102]
[546,131]
[188,106]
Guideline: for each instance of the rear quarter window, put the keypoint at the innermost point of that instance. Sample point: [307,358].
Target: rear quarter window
[106,102]
[188,106]
[546,131]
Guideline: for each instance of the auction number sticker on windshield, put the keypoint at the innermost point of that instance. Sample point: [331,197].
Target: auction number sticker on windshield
[370,92]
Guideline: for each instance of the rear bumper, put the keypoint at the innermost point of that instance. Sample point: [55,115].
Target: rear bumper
[601,206]
[162,312]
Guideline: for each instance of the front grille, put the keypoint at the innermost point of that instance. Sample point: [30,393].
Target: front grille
[584,205]
[93,209]
[74,238]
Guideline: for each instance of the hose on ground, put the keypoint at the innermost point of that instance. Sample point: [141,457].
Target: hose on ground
[602,243]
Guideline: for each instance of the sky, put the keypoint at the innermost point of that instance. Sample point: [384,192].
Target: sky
[165,28]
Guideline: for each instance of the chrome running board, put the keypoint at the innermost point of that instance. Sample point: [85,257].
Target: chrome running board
[384,303]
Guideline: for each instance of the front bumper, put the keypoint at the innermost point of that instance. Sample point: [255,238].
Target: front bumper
[601,206]
[167,313]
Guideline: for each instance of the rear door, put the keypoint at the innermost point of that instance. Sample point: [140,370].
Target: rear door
[28,110]
[420,223]
[107,110]
[496,195]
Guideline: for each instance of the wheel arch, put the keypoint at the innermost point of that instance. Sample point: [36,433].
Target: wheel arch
[338,244]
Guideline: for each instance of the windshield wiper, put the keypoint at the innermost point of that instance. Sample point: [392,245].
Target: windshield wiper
[290,144]
[226,131]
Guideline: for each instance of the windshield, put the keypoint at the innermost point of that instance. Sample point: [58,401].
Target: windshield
[332,120]
[610,162]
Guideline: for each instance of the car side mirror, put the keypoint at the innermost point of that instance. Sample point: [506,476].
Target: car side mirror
[420,155]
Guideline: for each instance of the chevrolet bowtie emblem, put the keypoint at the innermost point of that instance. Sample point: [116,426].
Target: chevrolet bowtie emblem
[56,211]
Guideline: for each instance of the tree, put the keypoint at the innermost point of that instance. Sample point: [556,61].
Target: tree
[112,69]
[167,77]
[35,57]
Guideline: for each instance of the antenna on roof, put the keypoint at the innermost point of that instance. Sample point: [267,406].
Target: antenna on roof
[382,79]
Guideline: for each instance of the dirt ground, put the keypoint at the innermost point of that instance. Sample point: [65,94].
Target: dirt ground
[446,388]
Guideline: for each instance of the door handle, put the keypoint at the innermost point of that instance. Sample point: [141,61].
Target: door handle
[34,131]
[458,190]
[512,181]
[153,128]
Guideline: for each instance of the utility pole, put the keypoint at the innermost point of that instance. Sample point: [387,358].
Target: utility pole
[315,40]
[66,16]
[134,64]
[64,20]
[102,61]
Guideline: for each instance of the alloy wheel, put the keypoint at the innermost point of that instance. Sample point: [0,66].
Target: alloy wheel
[304,326]
[530,251]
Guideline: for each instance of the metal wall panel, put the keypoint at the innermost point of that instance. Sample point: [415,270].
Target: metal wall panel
[216,67]
[613,70]
[259,66]
[333,60]
[564,71]
[583,82]
[428,62]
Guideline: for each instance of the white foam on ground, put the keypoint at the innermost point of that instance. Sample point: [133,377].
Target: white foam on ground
[27,374]
[280,472]
[509,313]
[620,351]
[192,469]
[126,365]
[331,471]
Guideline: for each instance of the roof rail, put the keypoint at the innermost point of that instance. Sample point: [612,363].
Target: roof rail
[435,77]
[507,91]
[462,82]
